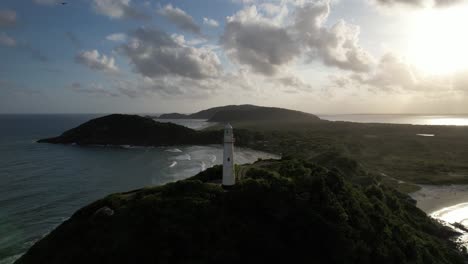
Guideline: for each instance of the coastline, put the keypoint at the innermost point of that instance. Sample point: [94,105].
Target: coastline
[432,198]
[447,204]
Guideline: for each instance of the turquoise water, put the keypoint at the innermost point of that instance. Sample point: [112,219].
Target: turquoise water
[41,185]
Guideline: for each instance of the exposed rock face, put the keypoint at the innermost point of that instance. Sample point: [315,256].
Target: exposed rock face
[104,211]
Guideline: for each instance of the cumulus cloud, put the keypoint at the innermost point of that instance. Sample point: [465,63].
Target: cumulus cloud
[391,73]
[394,75]
[266,41]
[180,18]
[210,22]
[337,46]
[7,18]
[250,40]
[96,61]
[117,37]
[6,40]
[117,9]
[156,54]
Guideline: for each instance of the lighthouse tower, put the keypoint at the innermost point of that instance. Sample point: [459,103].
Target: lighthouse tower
[229,178]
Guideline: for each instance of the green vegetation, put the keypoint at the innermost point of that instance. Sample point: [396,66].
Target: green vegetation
[392,152]
[207,113]
[133,130]
[291,211]
[243,113]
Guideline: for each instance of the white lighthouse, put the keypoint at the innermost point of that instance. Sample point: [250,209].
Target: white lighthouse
[229,178]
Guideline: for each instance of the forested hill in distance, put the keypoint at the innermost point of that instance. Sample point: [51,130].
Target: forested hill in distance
[232,113]
[119,129]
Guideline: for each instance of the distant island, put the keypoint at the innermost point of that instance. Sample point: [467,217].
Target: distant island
[336,196]
[232,113]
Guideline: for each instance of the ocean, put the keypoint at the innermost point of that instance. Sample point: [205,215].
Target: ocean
[414,119]
[41,185]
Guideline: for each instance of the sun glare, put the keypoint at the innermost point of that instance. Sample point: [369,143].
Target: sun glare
[439,40]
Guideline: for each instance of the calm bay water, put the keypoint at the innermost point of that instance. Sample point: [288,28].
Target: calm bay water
[41,185]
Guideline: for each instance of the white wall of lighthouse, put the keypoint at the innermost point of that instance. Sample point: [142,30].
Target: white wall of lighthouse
[229,178]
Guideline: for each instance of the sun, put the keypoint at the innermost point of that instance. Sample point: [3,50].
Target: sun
[438,42]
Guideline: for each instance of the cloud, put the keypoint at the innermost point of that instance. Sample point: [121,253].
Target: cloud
[118,9]
[73,39]
[7,18]
[267,41]
[5,40]
[263,46]
[93,60]
[294,82]
[180,18]
[337,46]
[394,75]
[156,54]
[47,2]
[419,3]
[93,89]
[117,37]
[210,22]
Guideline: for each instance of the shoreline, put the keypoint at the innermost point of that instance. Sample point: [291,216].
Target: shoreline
[432,198]
[448,204]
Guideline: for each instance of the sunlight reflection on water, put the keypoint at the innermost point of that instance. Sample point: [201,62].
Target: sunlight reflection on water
[460,121]
[447,120]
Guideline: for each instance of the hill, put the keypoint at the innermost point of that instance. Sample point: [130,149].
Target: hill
[263,114]
[289,211]
[243,113]
[135,130]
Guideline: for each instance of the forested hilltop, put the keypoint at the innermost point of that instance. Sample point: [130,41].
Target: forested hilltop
[232,113]
[133,130]
[290,211]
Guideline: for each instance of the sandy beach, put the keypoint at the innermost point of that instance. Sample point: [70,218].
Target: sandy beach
[432,198]
[448,204]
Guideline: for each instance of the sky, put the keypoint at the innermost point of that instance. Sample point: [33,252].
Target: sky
[318,56]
